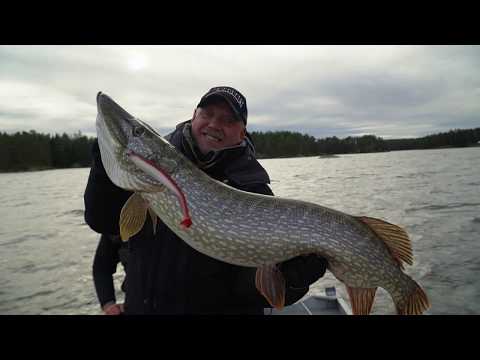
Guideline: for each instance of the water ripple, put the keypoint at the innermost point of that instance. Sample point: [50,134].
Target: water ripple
[26,237]
[26,203]
[76,212]
[34,295]
[441,207]
[16,241]
[34,268]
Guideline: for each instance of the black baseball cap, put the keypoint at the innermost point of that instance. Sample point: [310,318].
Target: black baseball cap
[233,97]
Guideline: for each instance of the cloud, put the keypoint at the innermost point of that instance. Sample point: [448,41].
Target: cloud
[390,91]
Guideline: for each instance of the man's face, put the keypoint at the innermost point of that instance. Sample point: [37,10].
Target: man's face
[215,127]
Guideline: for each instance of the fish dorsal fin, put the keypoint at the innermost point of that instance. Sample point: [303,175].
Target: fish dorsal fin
[393,236]
[132,216]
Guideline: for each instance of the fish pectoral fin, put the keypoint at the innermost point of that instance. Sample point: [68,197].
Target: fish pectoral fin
[153,216]
[395,238]
[132,216]
[361,299]
[270,283]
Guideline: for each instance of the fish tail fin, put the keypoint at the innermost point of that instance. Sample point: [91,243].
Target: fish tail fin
[361,299]
[412,300]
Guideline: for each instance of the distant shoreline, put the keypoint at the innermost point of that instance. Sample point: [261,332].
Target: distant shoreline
[32,151]
[369,152]
[326,156]
[43,169]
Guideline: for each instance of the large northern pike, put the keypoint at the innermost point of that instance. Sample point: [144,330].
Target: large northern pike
[249,229]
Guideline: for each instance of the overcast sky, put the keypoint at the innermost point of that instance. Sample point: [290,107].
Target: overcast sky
[388,91]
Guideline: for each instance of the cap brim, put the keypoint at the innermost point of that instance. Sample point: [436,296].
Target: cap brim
[229,102]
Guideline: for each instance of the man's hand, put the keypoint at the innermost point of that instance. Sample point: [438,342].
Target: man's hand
[301,271]
[113,309]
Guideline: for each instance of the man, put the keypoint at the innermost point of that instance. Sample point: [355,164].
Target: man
[167,276]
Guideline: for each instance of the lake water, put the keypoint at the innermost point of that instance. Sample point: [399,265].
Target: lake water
[46,249]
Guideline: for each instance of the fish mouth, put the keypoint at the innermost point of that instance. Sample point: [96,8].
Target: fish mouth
[113,120]
[116,133]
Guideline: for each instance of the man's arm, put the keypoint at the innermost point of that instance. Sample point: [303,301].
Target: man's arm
[104,266]
[103,199]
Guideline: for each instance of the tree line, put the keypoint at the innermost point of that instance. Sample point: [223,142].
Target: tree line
[453,138]
[23,151]
[288,144]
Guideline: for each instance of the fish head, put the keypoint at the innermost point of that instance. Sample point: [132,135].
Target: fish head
[122,138]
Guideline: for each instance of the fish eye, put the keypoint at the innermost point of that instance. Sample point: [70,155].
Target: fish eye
[138,131]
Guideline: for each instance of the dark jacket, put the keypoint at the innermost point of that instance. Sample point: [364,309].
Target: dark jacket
[167,276]
[110,251]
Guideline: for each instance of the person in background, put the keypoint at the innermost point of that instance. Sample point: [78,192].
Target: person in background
[167,276]
[110,251]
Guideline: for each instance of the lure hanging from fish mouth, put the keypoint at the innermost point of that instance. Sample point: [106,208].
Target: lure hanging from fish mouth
[159,174]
